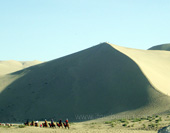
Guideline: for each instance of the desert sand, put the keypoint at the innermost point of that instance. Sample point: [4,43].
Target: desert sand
[165,47]
[10,66]
[154,64]
[76,128]
[103,81]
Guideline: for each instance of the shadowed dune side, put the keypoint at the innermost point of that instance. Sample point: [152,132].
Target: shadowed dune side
[154,64]
[99,80]
[165,47]
[10,66]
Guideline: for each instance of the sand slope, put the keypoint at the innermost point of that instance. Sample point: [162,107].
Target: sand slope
[10,66]
[100,81]
[165,47]
[154,64]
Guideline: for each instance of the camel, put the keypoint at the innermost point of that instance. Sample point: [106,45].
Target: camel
[59,125]
[45,124]
[66,125]
[52,125]
[32,123]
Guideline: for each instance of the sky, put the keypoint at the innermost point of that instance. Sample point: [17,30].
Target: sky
[49,29]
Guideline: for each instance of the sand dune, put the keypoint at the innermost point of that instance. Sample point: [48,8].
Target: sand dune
[101,81]
[165,47]
[154,64]
[10,66]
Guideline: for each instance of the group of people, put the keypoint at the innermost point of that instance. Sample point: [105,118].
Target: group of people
[59,124]
[31,124]
[46,124]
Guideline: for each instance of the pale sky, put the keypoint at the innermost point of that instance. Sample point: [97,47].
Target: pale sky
[49,29]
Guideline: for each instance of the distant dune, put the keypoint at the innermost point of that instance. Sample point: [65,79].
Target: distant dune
[100,81]
[10,66]
[165,47]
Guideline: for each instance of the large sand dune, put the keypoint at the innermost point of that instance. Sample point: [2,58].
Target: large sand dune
[100,81]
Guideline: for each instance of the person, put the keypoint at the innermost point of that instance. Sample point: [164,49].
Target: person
[46,124]
[66,124]
[66,121]
[52,122]
[36,123]
[32,123]
[27,123]
[60,122]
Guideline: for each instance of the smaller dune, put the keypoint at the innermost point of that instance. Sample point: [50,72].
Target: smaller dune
[165,47]
[10,66]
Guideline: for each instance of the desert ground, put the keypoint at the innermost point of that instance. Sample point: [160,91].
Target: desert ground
[140,124]
[75,129]
[149,124]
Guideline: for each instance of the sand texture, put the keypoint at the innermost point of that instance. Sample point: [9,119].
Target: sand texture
[103,81]
[165,47]
[76,128]
[10,66]
[154,65]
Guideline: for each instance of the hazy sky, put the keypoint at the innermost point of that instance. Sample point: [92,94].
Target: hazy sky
[49,29]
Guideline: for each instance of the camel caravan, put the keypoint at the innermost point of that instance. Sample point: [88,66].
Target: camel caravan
[6,124]
[46,124]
